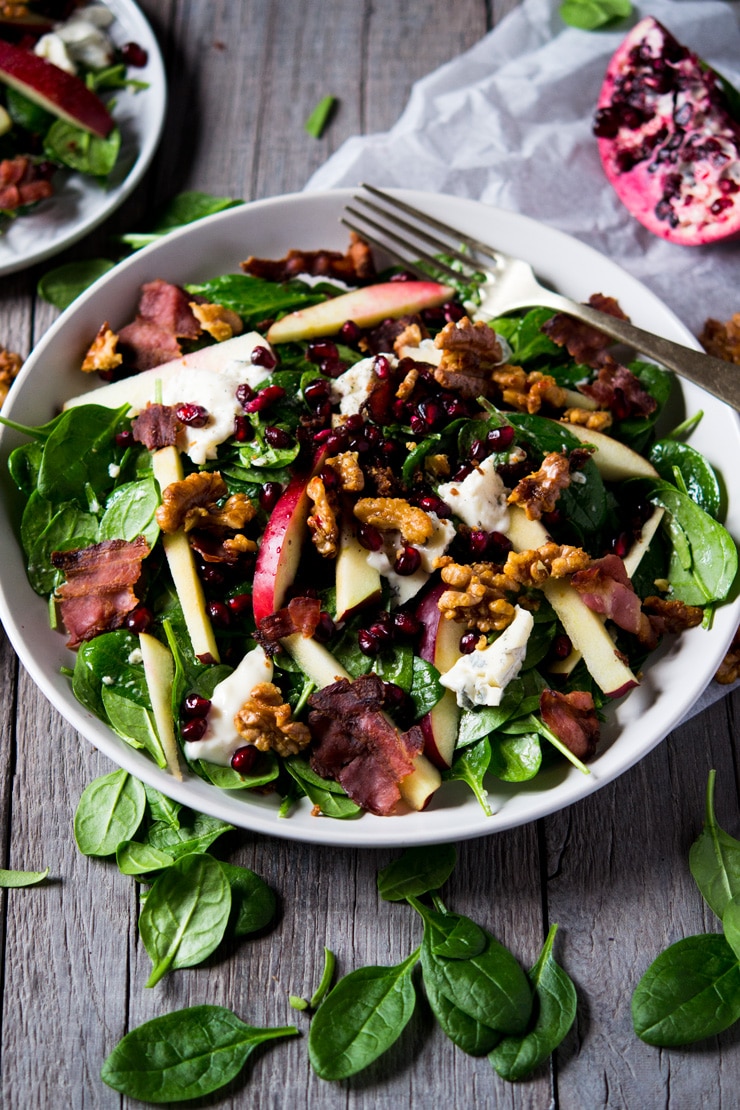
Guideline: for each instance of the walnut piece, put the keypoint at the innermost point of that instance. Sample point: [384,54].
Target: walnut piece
[538,492]
[596,420]
[102,353]
[394,514]
[729,668]
[533,567]
[722,340]
[10,364]
[528,392]
[408,384]
[469,354]
[322,520]
[220,322]
[193,503]
[347,468]
[477,595]
[411,336]
[265,720]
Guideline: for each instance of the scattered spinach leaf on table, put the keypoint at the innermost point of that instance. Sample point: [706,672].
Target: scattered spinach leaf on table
[11,879]
[110,811]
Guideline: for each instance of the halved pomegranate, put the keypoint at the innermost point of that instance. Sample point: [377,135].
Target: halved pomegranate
[667,139]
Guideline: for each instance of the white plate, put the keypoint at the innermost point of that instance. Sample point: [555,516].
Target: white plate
[678,672]
[79,204]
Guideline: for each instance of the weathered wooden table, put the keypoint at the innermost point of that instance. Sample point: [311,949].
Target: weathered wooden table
[611,870]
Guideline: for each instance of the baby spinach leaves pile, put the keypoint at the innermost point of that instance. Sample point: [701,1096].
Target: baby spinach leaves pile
[478,992]
[692,990]
[193,900]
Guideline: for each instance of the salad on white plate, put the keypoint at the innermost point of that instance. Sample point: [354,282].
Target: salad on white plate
[344,546]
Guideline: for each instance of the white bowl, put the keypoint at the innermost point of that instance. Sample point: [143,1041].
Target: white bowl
[676,674]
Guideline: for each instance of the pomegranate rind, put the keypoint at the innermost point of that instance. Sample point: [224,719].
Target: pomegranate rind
[667,140]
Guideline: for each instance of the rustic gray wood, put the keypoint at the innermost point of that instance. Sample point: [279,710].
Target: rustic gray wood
[611,870]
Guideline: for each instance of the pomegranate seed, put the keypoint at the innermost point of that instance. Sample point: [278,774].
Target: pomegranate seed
[468,640]
[370,538]
[322,436]
[394,696]
[336,442]
[350,331]
[195,416]
[381,367]
[406,624]
[269,495]
[277,437]
[211,575]
[263,356]
[478,450]
[382,633]
[453,312]
[124,438]
[622,544]
[243,430]
[219,613]
[240,604]
[432,504]
[321,349]
[244,393]
[195,705]
[353,423]
[134,55]
[455,407]
[478,542]
[500,439]
[194,729]
[360,445]
[407,561]
[561,647]
[433,317]
[332,367]
[461,474]
[720,205]
[316,392]
[244,758]
[329,477]
[403,275]
[418,427]
[139,619]
[265,398]
[325,629]
[367,642]
[499,546]
[373,435]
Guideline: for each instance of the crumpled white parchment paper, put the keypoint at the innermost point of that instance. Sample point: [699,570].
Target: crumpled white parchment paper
[509,123]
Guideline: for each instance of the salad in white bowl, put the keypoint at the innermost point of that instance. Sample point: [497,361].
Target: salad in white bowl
[322,549]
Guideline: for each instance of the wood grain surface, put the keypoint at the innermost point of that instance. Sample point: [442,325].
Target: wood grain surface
[611,870]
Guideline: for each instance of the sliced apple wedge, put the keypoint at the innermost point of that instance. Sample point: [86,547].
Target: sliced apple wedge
[615,461]
[159,671]
[357,583]
[280,551]
[366,307]
[440,645]
[168,469]
[55,90]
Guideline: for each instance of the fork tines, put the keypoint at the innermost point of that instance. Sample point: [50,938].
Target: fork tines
[409,247]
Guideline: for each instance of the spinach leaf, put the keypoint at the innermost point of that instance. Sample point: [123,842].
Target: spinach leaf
[317,121]
[255,299]
[699,477]
[361,1018]
[195,833]
[134,723]
[78,454]
[397,666]
[555,1006]
[134,858]
[416,872]
[253,903]
[266,769]
[161,808]
[470,1035]
[515,758]
[525,336]
[10,879]
[185,914]
[329,796]
[489,987]
[450,934]
[590,14]
[327,975]
[81,150]
[426,689]
[470,766]
[691,991]
[731,925]
[109,811]
[46,528]
[108,657]
[703,562]
[185,1054]
[23,464]
[129,512]
[714,859]
[637,430]
[64,284]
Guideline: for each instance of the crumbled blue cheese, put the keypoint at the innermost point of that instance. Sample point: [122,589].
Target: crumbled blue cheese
[481,677]
[480,499]
[350,390]
[405,586]
[221,739]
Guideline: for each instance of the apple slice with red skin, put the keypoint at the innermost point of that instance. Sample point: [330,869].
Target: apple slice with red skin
[366,307]
[440,645]
[55,90]
[357,583]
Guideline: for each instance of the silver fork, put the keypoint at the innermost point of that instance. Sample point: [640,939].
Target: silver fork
[509,283]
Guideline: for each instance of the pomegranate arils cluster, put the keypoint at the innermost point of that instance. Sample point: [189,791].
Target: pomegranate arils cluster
[668,142]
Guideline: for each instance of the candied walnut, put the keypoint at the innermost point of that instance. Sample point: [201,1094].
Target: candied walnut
[672,615]
[220,322]
[437,465]
[102,353]
[266,721]
[322,520]
[596,420]
[193,503]
[552,560]
[355,265]
[477,596]
[538,492]
[347,468]
[394,514]
[411,336]
[729,668]
[722,340]
[408,384]
[386,483]
[527,392]
[469,354]
[10,364]
[381,339]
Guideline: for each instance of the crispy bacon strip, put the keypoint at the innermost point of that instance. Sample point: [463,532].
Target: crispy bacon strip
[164,317]
[98,590]
[572,717]
[356,265]
[21,182]
[357,746]
[616,388]
[605,587]
[582,342]
[156,426]
[301,614]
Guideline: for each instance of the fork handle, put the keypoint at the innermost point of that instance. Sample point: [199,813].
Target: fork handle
[713,374]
